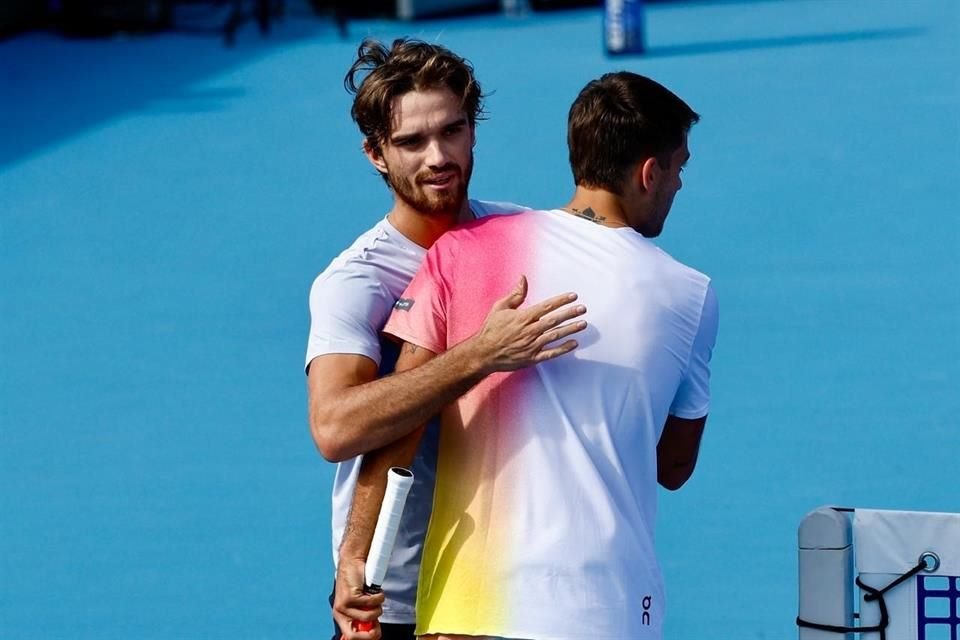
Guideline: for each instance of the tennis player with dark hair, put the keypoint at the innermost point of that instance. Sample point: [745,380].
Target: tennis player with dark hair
[416,105]
[544,514]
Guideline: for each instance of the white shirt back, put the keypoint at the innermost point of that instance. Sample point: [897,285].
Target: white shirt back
[545,503]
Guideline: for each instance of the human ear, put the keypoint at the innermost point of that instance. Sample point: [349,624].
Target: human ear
[648,174]
[375,156]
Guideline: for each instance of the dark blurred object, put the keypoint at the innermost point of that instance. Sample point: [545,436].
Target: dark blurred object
[340,10]
[419,9]
[542,5]
[20,15]
[103,17]
[227,16]
[355,9]
[264,11]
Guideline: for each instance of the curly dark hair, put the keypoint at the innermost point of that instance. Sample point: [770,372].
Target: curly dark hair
[409,65]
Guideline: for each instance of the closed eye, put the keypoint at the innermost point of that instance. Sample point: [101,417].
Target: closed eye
[408,142]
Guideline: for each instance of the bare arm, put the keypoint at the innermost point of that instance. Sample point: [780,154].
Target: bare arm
[350,602]
[352,412]
[677,450]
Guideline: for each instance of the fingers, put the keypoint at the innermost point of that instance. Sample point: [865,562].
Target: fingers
[355,610]
[563,314]
[540,346]
[561,332]
[354,630]
[513,299]
[520,293]
[365,626]
[539,310]
[556,352]
[352,605]
[365,607]
[361,630]
[361,613]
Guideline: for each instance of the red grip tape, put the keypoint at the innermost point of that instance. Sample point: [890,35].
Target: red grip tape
[362,625]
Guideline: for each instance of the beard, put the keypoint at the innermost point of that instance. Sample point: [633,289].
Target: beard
[427,201]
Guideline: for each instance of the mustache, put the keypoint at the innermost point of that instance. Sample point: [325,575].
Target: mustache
[426,176]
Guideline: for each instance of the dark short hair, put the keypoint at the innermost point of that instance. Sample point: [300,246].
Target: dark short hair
[409,65]
[620,119]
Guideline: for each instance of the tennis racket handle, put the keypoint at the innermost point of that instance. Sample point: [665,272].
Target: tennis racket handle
[399,481]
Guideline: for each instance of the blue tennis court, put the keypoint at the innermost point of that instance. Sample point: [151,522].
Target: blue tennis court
[165,203]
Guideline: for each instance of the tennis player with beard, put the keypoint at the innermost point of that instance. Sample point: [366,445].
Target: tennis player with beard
[416,105]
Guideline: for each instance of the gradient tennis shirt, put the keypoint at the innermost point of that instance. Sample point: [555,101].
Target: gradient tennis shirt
[349,304]
[543,515]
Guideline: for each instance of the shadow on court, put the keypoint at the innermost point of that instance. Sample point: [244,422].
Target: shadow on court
[55,87]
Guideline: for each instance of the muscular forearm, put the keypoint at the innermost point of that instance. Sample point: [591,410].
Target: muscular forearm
[368,416]
[357,413]
[352,602]
[368,495]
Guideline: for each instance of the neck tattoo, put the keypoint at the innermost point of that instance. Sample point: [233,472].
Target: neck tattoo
[588,214]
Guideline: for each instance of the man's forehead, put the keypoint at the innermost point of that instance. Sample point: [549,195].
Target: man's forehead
[425,110]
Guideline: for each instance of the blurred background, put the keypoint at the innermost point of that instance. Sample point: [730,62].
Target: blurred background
[173,175]
[104,17]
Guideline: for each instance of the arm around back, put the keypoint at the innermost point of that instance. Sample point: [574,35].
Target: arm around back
[334,384]
[352,412]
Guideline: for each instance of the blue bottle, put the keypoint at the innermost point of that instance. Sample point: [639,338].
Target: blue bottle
[623,26]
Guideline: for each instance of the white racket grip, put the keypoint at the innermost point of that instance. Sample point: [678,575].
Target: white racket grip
[399,481]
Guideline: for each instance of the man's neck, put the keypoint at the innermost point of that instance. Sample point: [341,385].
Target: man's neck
[424,229]
[599,206]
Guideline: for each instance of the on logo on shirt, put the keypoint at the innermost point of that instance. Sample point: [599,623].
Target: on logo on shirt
[647,602]
[404,304]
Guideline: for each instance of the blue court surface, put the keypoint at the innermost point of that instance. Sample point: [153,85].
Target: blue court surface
[165,203]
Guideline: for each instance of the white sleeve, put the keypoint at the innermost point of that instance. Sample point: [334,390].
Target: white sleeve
[693,396]
[484,208]
[347,309]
